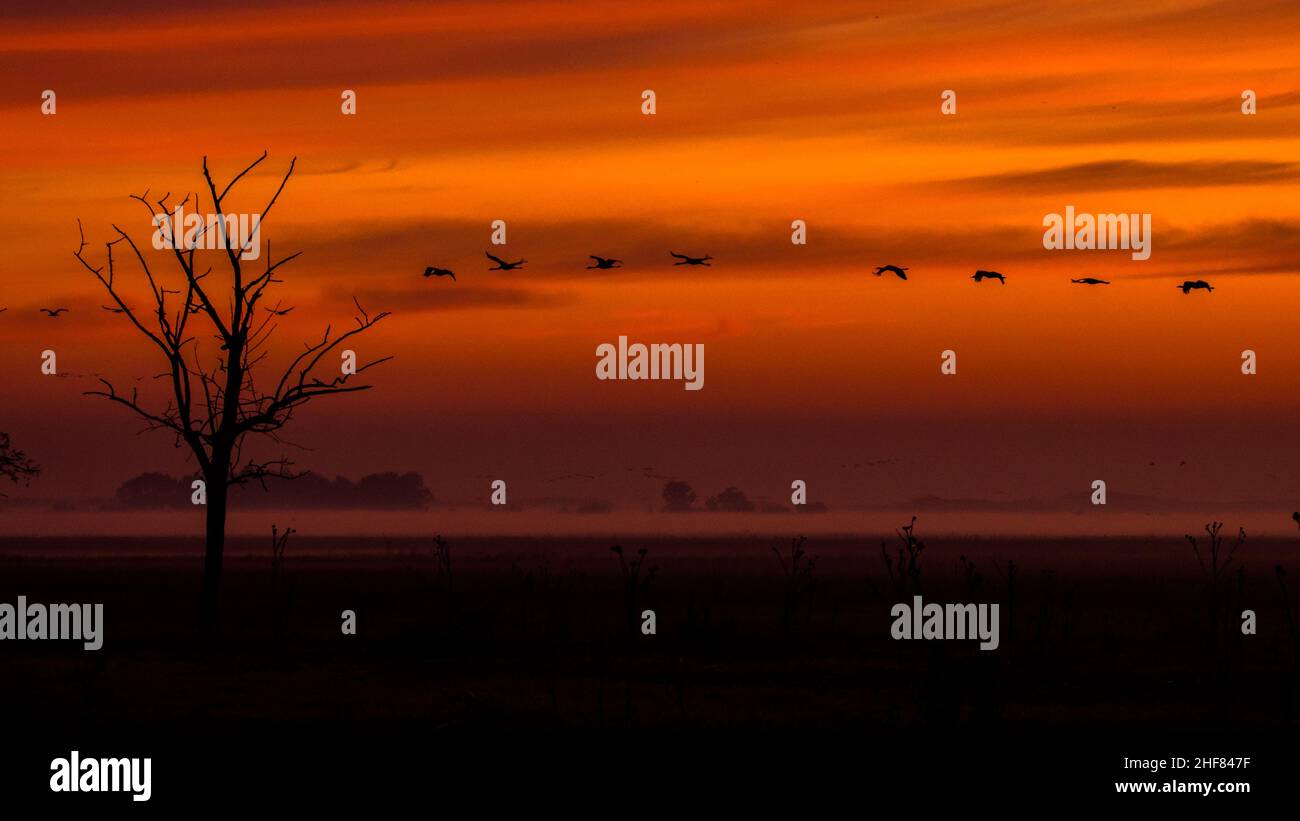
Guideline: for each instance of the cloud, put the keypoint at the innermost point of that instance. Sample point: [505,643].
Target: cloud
[474,42]
[353,167]
[557,250]
[1244,247]
[1115,175]
[443,295]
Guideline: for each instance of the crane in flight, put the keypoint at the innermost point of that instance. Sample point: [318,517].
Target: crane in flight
[1090,281]
[502,265]
[1190,285]
[894,269]
[685,260]
[439,272]
[601,262]
[983,275]
[53,311]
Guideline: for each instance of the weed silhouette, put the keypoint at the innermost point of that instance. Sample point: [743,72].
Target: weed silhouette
[797,568]
[906,574]
[279,585]
[1214,561]
[442,579]
[635,586]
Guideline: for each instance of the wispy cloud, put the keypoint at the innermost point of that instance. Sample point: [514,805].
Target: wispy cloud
[1113,175]
[443,295]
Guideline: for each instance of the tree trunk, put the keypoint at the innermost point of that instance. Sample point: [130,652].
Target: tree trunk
[214,545]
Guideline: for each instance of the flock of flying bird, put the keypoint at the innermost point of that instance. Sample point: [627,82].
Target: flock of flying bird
[1187,287]
[602,263]
[606,263]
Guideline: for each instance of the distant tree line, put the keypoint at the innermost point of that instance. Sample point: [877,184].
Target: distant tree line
[679,497]
[382,491]
[14,464]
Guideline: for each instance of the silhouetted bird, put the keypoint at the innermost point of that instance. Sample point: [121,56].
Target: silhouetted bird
[439,272]
[112,310]
[983,275]
[893,269]
[1200,284]
[601,262]
[1090,281]
[53,311]
[685,260]
[278,312]
[502,265]
[2,310]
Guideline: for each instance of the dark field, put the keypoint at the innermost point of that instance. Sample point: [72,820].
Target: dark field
[1098,638]
[534,633]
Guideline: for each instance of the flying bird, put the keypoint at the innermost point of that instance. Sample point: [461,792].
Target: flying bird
[685,260]
[1090,281]
[278,312]
[983,275]
[439,272]
[893,269]
[1189,286]
[53,311]
[601,262]
[2,310]
[502,265]
[113,310]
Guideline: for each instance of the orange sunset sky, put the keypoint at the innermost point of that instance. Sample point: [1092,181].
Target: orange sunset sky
[767,112]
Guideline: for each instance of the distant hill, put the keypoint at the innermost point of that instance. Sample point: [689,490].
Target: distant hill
[1074,502]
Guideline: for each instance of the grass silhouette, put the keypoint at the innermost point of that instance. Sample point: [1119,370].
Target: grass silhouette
[280,593]
[906,574]
[797,570]
[634,585]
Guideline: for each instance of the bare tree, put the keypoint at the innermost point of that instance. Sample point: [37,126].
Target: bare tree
[14,464]
[213,402]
